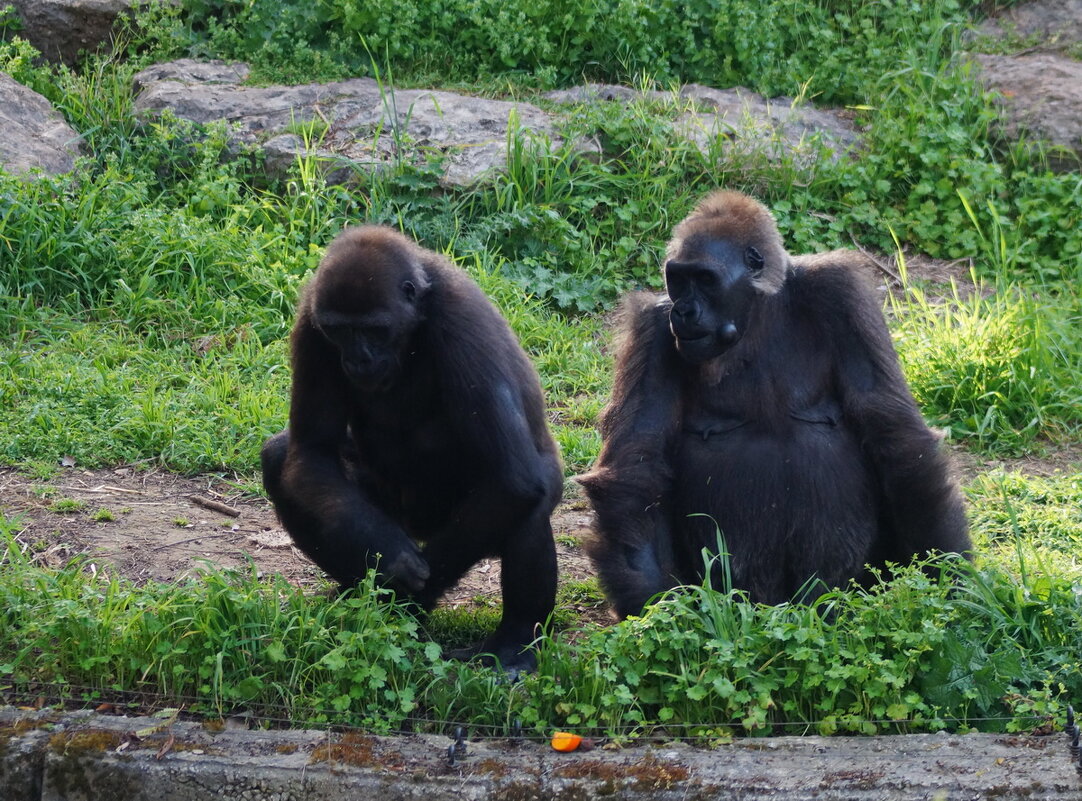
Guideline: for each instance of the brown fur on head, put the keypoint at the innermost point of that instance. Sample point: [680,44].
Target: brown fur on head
[366,267]
[738,218]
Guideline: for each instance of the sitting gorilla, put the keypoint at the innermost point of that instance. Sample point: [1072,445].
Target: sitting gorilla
[417,437]
[763,398]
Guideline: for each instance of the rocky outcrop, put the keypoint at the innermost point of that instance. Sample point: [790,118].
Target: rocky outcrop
[781,125]
[60,29]
[1041,96]
[1039,88]
[360,125]
[1044,24]
[33,135]
[348,125]
[738,119]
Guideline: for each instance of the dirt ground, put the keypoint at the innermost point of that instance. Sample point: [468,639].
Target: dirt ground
[157,526]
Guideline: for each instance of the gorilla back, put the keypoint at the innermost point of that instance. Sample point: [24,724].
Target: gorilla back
[417,439]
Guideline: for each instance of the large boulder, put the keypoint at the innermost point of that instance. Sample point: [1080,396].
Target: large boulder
[779,126]
[360,125]
[33,135]
[1041,96]
[350,125]
[60,29]
[1037,82]
[1045,24]
[737,120]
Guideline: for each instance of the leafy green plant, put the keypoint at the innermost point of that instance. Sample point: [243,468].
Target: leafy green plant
[977,648]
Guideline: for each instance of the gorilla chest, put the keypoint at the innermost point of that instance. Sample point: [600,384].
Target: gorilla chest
[765,452]
[405,440]
[789,400]
[762,432]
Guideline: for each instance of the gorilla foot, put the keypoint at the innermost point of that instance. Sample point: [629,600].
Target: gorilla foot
[513,660]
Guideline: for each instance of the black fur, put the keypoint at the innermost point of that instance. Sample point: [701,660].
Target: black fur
[770,406]
[417,435]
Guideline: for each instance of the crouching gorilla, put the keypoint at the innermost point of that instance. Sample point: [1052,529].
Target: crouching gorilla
[761,397]
[417,438]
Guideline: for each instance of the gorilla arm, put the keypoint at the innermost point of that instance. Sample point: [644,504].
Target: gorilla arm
[490,383]
[330,516]
[630,484]
[921,508]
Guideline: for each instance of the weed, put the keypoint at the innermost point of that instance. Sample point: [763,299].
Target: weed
[65,505]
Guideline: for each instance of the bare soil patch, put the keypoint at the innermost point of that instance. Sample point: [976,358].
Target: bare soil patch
[157,526]
[1060,460]
[939,280]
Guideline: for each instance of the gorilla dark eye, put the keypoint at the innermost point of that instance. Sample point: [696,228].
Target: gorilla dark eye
[706,279]
[754,259]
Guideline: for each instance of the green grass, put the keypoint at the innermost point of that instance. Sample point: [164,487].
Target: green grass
[999,367]
[1039,516]
[982,650]
[145,301]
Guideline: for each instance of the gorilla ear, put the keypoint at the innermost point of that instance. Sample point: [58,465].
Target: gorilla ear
[754,259]
[409,290]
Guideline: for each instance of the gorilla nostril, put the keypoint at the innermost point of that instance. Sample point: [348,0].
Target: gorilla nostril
[685,312]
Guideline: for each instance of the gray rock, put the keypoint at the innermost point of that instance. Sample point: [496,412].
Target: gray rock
[360,124]
[1055,24]
[190,71]
[471,131]
[61,28]
[357,125]
[33,135]
[738,120]
[780,125]
[1041,96]
[595,92]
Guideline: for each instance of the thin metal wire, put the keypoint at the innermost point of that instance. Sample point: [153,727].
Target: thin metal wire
[281,716]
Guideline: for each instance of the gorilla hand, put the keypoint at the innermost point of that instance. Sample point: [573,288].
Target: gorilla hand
[406,571]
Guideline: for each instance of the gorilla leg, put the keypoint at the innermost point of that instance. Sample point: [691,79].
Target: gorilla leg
[528,580]
[271,458]
[527,556]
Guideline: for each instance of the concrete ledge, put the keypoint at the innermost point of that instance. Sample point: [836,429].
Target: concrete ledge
[84,756]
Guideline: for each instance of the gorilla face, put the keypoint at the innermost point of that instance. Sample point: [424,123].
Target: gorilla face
[713,295]
[371,343]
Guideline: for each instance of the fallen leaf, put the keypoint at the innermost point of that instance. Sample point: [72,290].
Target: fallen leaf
[167,746]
